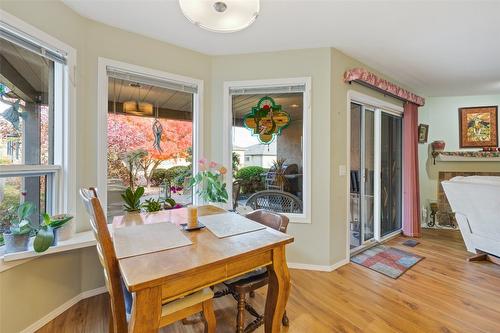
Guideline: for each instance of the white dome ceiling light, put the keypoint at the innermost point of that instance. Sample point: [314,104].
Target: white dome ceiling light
[221,16]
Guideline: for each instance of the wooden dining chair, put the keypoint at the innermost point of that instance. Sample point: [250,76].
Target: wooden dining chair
[246,284]
[198,302]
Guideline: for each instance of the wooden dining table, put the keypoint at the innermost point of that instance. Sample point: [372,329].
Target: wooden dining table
[163,276]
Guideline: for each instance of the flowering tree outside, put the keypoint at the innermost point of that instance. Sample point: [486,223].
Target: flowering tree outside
[127,134]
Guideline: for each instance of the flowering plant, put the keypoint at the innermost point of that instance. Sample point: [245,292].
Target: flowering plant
[211,187]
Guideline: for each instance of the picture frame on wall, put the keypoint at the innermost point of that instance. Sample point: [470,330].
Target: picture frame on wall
[423,133]
[478,126]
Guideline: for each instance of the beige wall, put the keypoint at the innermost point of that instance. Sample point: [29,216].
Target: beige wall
[441,114]
[341,62]
[311,240]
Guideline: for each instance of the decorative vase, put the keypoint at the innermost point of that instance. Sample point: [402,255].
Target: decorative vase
[438,145]
[56,232]
[16,243]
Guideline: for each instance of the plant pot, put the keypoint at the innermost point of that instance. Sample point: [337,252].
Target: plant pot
[438,145]
[132,218]
[16,243]
[66,231]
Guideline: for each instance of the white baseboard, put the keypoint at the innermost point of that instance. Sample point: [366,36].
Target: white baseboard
[321,268]
[63,307]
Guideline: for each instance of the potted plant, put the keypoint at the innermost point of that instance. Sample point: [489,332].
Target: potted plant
[50,231]
[153,205]
[132,202]
[18,235]
[211,187]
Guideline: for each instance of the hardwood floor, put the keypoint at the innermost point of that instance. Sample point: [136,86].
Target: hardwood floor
[443,293]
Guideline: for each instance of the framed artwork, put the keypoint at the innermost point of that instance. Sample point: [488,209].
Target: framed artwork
[478,126]
[423,133]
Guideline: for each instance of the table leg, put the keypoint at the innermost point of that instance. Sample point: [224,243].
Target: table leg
[146,311]
[277,292]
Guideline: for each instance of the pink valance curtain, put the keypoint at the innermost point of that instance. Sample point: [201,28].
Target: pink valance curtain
[364,77]
[411,192]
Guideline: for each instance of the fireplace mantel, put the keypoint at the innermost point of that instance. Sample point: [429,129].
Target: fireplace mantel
[467,156]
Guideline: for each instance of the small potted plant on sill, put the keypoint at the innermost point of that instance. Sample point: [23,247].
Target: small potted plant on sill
[132,202]
[49,232]
[18,235]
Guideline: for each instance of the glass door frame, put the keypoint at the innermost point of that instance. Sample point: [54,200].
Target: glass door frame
[379,107]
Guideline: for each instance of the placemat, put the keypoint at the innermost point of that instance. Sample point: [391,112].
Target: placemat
[229,224]
[147,238]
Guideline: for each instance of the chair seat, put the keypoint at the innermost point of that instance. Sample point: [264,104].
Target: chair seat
[187,301]
[248,277]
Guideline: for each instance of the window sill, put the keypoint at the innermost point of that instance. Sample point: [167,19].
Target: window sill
[78,241]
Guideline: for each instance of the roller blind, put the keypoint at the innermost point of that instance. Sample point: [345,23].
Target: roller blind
[21,39]
[151,80]
[268,90]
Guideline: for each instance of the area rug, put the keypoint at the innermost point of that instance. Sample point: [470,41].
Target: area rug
[411,243]
[387,260]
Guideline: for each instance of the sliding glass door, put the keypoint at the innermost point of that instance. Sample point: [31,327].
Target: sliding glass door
[362,174]
[375,175]
[391,170]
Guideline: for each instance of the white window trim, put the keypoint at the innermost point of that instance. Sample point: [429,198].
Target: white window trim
[305,217]
[378,105]
[64,126]
[102,107]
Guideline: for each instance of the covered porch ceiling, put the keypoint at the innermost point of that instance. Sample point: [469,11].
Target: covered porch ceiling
[290,102]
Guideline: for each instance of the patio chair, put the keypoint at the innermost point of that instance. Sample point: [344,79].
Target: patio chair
[276,201]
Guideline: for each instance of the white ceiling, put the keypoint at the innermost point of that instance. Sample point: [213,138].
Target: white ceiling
[436,47]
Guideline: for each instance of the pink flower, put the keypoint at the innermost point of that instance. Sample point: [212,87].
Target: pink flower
[212,165]
[203,161]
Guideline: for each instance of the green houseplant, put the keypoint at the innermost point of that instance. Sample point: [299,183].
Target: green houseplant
[48,233]
[132,199]
[18,235]
[153,205]
[211,187]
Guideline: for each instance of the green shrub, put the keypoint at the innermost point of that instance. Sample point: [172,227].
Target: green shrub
[248,172]
[181,177]
[251,178]
[158,176]
[170,174]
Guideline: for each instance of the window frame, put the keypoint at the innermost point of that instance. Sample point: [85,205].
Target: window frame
[102,107]
[227,144]
[62,172]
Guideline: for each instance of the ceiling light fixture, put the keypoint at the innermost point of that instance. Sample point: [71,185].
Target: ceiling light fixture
[221,16]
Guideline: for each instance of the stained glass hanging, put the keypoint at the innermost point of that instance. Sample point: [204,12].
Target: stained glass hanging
[266,120]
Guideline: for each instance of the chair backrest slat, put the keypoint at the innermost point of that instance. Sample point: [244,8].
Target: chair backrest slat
[270,219]
[107,256]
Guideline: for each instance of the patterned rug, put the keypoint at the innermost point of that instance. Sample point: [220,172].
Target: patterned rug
[386,260]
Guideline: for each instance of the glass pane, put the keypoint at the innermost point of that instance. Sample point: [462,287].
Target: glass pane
[138,115]
[355,206]
[26,106]
[276,166]
[16,190]
[391,145]
[368,175]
